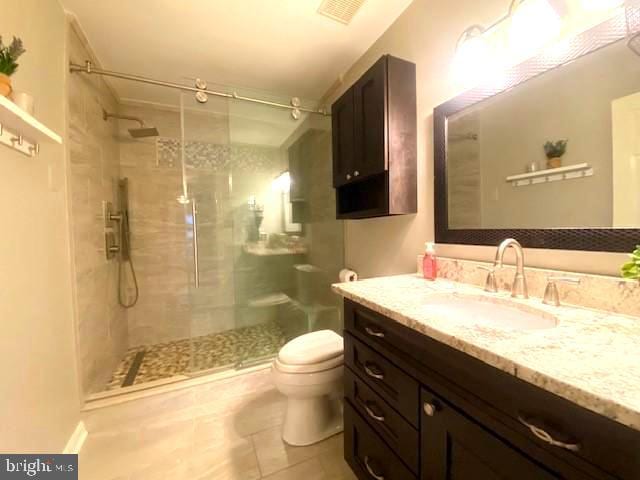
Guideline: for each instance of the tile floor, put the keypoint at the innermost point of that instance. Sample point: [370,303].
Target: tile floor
[223,430]
[218,350]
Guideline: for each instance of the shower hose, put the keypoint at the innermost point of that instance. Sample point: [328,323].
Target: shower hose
[125,257]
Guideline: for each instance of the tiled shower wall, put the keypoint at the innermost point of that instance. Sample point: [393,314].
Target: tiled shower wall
[160,248]
[94,170]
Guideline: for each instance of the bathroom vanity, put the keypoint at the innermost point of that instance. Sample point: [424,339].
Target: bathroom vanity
[432,397]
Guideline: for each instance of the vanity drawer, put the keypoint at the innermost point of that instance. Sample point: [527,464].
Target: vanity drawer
[370,325]
[388,423]
[396,387]
[368,456]
[568,430]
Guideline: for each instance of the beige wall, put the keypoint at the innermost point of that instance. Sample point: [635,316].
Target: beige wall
[39,405]
[426,33]
[94,169]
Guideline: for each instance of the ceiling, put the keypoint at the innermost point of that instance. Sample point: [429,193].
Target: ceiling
[266,48]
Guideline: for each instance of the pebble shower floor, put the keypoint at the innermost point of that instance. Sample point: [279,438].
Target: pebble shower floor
[218,350]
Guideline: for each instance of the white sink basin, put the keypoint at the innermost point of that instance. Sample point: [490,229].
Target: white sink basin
[490,311]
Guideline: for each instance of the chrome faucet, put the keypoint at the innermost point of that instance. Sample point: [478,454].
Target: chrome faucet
[519,286]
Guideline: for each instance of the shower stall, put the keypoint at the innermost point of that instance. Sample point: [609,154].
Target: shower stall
[225,234]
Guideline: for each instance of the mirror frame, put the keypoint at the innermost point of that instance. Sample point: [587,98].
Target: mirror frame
[590,239]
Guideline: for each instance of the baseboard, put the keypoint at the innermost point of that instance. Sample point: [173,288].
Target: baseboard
[79,435]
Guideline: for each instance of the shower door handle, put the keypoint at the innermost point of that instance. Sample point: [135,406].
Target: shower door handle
[196,269]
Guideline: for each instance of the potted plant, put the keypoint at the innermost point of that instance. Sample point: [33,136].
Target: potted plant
[554,152]
[8,66]
[631,269]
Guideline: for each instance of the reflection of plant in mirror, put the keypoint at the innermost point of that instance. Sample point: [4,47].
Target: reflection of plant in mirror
[631,269]
[555,149]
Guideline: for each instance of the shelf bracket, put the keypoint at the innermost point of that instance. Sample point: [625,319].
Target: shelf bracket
[17,142]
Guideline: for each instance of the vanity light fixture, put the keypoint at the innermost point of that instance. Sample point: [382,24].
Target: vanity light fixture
[472,54]
[532,24]
[282,182]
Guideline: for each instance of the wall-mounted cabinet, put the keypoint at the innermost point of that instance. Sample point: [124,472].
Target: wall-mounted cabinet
[374,142]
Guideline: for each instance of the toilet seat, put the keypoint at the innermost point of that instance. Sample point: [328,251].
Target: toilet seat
[312,349]
[311,368]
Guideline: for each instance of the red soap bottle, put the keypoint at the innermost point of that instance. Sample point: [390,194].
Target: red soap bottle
[430,262]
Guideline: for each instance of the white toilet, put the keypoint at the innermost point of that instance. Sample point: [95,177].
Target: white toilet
[308,371]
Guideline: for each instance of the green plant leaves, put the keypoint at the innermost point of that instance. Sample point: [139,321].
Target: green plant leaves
[631,269]
[555,149]
[9,55]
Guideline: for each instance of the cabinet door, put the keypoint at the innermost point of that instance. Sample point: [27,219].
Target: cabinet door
[342,121]
[455,447]
[365,452]
[370,121]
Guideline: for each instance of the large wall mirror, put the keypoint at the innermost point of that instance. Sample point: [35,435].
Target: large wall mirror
[551,157]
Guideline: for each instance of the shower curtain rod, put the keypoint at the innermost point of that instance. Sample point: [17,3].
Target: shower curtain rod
[89,69]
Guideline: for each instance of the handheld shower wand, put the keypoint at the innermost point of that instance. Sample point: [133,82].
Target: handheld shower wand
[125,245]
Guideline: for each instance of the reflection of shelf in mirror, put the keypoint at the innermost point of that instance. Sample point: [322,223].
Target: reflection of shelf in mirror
[22,131]
[569,172]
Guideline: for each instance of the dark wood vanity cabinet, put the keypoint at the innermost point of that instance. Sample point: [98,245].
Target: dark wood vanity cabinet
[374,142]
[418,409]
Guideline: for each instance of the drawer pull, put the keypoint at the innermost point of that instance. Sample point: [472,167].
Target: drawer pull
[373,371]
[370,331]
[547,437]
[372,414]
[370,470]
[429,409]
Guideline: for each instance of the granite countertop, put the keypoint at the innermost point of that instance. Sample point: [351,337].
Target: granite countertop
[592,358]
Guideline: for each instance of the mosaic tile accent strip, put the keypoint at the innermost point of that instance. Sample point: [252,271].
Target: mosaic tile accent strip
[218,350]
[215,156]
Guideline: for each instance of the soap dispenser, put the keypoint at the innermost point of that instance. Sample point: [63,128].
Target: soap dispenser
[430,262]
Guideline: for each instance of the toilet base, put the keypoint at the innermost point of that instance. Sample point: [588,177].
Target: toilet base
[311,420]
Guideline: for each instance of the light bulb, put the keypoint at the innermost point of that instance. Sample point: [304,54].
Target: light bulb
[533,25]
[597,5]
[282,182]
[471,61]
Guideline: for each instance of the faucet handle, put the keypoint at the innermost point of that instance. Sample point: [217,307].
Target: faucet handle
[490,285]
[551,295]
[561,279]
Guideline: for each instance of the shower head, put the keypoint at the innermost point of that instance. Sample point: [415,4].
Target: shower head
[143,131]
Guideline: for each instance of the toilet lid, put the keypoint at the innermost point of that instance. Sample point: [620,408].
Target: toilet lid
[312,368]
[312,348]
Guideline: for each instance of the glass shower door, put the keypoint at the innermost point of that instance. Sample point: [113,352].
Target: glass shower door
[205,153]
[267,244]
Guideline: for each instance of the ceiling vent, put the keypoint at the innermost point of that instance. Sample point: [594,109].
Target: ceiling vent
[340,10]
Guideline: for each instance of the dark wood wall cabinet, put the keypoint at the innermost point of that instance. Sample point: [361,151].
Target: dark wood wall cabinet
[416,409]
[374,142]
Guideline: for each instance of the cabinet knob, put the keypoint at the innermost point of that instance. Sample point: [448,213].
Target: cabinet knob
[356,173]
[348,176]
[430,409]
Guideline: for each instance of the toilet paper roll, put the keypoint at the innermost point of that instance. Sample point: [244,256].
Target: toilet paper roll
[347,275]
